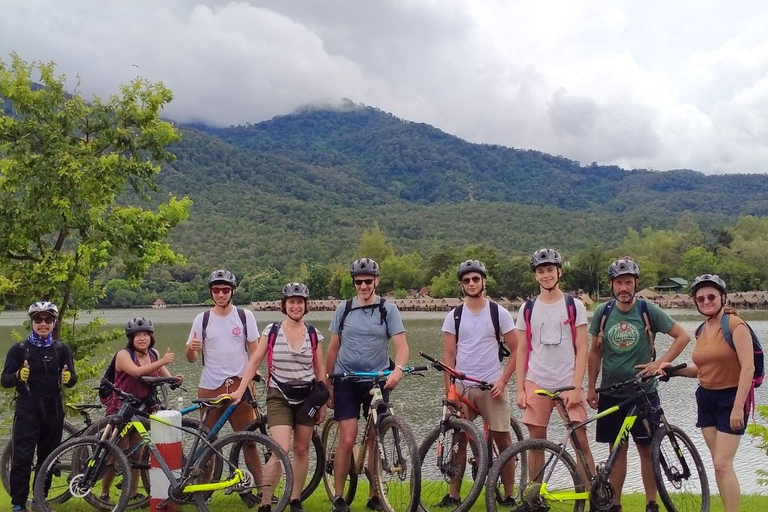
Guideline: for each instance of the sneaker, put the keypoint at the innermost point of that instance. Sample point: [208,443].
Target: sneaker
[508,501]
[296,506]
[651,506]
[339,505]
[265,508]
[448,501]
[374,503]
[19,508]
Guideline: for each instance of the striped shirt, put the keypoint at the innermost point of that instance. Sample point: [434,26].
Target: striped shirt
[289,364]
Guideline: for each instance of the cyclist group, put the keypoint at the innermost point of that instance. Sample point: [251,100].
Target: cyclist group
[547,348]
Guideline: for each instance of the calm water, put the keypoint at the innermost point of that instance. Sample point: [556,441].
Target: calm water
[418,399]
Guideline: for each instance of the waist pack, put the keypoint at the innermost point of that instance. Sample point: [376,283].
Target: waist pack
[295,391]
[316,399]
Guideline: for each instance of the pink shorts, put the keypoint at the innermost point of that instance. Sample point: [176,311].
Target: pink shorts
[539,408]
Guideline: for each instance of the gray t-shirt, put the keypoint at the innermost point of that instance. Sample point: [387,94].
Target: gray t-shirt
[364,337]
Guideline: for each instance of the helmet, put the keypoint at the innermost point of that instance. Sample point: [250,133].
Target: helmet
[139,324]
[622,267]
[364,267]
[43,306]
[222,277]
[295,290]
[708,280]
[546,257]
[471,266]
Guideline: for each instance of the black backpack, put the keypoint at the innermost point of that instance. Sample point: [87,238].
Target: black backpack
[494,307]
[104,389]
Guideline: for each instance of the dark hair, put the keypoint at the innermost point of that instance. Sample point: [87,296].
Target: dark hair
[285,299]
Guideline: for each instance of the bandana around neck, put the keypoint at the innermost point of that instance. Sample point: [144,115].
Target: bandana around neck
[38,341]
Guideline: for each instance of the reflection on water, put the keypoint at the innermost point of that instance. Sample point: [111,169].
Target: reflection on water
[418,398]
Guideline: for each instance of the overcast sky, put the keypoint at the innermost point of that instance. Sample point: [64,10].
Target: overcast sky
[641,84]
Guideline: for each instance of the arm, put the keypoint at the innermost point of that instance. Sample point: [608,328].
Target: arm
[580,365]
[69,366]
[522,355]
[742,341]
[322,376]
[449,355]
[681,339]
[194,346]
[401,359]
[125,364]
[510,338]
[256,354]
[330,361]
[13,363]
[594,360]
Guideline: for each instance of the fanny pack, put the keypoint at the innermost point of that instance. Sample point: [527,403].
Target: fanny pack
[295,391]
[316,399]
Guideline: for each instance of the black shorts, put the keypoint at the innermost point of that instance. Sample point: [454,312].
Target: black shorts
[349,396]
[610,426]
[715,407]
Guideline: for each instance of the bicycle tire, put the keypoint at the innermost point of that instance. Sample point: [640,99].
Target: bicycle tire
[516,435]
[678,492]
[399,482]
[565,477]
[6,459]
[80,452]
[244,496]
[316,452]
[436,481]
[330,441]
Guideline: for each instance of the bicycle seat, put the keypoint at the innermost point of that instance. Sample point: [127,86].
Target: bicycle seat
[217,401]
[554,392]
[83,407]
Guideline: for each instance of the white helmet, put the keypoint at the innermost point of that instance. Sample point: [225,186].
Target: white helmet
[43,306]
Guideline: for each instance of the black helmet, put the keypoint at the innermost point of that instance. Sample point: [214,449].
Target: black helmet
[546,257]
[471,266]
[43,306]
[364,267]
[708,280]
[295,290]
[139,324]
[623,267]
[222,277]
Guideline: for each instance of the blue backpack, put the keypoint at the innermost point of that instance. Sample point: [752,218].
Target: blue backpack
[757,348]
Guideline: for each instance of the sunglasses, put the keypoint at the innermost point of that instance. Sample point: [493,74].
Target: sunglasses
[44,320]
[216,290]
[473,279]
[701,299]
[360,282]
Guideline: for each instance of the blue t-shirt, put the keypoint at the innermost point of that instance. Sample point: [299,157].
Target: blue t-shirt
[364,336]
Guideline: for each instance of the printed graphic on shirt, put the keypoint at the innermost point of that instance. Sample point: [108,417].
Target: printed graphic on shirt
[623,336]
[237,331]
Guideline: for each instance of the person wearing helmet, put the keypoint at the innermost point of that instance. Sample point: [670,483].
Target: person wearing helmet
[474,349]
[725,393]
[37,367]
[551,358]
[138,359]
[623,331]
[223,338]
[360,332]
[295,366]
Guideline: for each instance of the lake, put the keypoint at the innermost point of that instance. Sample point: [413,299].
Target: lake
[418,399]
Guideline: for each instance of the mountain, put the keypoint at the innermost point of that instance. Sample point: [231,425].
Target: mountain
[303,187]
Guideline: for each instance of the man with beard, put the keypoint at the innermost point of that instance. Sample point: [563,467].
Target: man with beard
[623,330]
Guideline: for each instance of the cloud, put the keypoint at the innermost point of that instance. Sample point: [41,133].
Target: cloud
[638,84]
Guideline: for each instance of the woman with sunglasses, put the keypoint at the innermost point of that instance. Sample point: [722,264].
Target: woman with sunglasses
[725,382]
[36,367]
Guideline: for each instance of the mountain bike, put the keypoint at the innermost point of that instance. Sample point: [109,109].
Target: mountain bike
[396,470]
[554,480]
[455,442]
[211,478]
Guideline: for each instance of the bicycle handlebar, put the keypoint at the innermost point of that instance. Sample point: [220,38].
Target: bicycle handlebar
[127,397]
[172,382]
[442,367]
[669,372]
[376,375]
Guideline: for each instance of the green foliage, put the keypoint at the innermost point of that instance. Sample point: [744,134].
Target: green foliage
[760,432]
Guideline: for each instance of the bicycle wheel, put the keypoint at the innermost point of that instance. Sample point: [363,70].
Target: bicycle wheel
[516,435]
[679,471]
[545,460]
[247,494]
[397,469]
[316,458]
[88,460]
[6,459]
[330,442]
[444,461]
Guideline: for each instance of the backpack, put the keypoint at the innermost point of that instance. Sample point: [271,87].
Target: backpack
[570,306]
[348,309]
[105,391]
[644,313]
[207,318]
[757,349]
[494,310]
[272,336]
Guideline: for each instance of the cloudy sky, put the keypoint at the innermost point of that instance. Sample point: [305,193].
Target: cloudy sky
[658,84]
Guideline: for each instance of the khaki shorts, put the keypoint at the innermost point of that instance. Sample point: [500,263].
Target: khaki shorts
[495,411]
[243,414]
[539,408]
[280,412]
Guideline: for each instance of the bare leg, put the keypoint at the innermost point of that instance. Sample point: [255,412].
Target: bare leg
[347,437]
[723,448]
[619,473]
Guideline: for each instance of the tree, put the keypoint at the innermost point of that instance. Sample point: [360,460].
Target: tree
[72,176]
[373,244]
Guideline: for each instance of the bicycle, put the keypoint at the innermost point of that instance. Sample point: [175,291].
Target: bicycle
[558,483]
[396,471]
[212,479]
[444,454]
